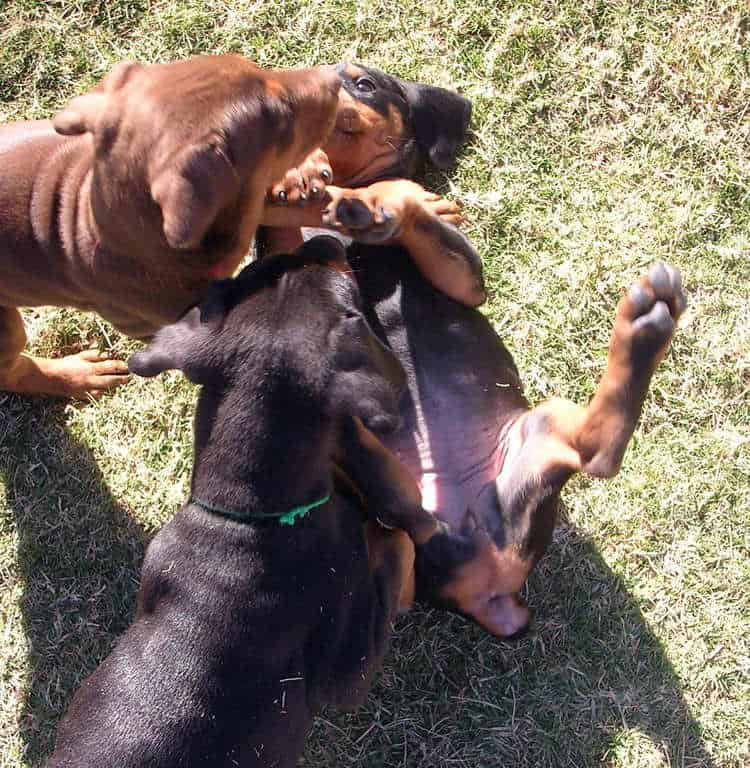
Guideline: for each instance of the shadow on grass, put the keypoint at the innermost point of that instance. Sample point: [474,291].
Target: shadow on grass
[589,685]
[581,686]
[78,556]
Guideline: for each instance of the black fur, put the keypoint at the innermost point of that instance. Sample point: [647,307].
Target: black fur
[437,119]
[243,631]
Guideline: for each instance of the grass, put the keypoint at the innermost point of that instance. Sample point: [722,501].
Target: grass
[606,135]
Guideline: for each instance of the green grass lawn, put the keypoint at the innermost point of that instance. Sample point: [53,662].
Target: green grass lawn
[606,135]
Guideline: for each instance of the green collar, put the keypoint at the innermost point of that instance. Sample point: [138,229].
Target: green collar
[242,516]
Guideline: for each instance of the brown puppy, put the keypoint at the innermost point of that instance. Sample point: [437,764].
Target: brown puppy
[139,194]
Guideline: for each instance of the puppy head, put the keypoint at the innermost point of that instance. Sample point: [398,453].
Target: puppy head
[190,140]
[467,572]
[387,127]
[480,570]
[287,325]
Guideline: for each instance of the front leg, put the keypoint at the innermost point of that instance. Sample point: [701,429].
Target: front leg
[390,492]
[403,213]
[391,556]
[350,651]
[85,375]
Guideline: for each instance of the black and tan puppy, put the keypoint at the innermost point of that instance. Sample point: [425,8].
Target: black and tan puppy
[389,128]
[261,600]
[490,466]
[386,129]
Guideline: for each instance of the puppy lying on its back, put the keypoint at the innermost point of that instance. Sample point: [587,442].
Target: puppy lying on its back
[490,466]
[260,601]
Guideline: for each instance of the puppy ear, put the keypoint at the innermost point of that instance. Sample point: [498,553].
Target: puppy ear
[80,115]
[441,119]
[83,112]
[193,191]
[186,345]
[170,348]
[368,379]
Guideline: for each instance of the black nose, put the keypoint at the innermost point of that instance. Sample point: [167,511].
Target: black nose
[323,247]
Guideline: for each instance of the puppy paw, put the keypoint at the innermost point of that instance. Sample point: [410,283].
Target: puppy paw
[363,216]
[647,315]
[83,376]
[303,184]
[379,212]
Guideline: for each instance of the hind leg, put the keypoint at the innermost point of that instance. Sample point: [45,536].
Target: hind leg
[479,572]
[558,438]
[87,374]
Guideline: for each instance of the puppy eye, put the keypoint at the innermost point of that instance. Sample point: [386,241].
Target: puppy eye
[365,85]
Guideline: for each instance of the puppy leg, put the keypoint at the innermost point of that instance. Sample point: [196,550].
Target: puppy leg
[87,374]
[297,200]
[558,438]
[351,650]
[425,224]
[303,184]
[389,490]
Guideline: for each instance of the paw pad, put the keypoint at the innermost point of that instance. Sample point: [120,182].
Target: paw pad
[656,302]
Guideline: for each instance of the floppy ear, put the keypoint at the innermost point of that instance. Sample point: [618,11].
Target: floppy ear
[441,119]
[186,345]
[368,379]
[82,113]
[192,192]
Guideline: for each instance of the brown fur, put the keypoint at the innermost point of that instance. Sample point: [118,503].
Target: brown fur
[152,186]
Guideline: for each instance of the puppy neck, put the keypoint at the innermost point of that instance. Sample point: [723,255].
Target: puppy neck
[255,456]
